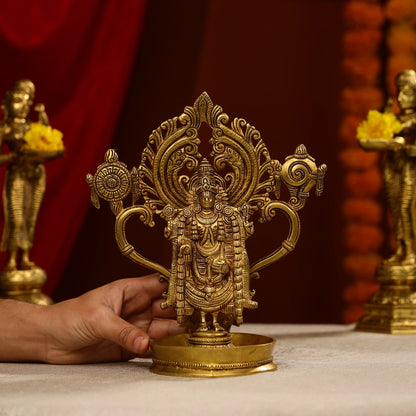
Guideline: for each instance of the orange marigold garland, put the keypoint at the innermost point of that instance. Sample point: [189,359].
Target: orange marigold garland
[361,209]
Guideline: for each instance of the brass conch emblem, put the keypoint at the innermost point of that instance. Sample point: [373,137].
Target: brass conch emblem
[207,207]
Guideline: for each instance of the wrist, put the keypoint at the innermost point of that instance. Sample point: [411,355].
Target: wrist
[23,335]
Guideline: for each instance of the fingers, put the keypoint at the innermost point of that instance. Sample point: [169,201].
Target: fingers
[151,285]
[158,312]
[160,328]
[117,330]
[129,296]
[143,289]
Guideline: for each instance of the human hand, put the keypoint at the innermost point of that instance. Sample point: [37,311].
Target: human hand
[111,323]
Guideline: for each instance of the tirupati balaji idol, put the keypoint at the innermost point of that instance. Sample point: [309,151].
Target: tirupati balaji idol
[392,309]
[208,223]
[30,145]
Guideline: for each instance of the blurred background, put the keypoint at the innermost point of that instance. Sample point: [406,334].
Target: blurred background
[110,72]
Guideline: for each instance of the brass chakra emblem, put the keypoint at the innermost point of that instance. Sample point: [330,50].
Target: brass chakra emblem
[207,206]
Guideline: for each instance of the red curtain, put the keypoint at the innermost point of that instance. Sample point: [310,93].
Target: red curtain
[79,54]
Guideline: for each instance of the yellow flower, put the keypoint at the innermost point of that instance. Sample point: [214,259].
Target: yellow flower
[379,126]
[41,137]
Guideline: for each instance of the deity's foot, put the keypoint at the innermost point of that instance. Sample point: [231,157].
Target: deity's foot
[409,260]
[203,327]
[396,258]
[11,266]
[27,264]
[218,327]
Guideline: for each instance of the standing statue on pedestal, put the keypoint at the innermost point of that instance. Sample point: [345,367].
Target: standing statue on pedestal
[30,145]
[393,308]
[208,206]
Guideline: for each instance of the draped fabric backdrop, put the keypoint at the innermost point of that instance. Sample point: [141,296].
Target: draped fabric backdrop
[79,55]
[276,64]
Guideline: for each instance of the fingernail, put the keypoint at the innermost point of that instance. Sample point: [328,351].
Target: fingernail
[139,344]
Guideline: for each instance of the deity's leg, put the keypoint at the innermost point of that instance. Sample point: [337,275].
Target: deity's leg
[203,326]
[392,184]
[407,212]
[11,261]
[36,187]
[25,263]
[217,326]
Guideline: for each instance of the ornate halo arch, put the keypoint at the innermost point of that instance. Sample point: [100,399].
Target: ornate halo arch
[173,148]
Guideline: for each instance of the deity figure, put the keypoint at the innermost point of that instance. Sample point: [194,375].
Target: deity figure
[25,177]
[400,172]
[207,207]
[210,268]
[392,308]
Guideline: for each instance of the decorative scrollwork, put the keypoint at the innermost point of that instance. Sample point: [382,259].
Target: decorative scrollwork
[207,207]
[111,182]
[300,174]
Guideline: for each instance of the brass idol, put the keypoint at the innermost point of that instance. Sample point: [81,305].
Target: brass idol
[23,190]
[392,309]
[208,223]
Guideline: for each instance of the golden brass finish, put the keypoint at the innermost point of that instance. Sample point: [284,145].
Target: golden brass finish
[392,309]
[208,222]
[22,194]
[248,354]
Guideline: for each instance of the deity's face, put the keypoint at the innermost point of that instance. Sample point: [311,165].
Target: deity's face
[406,89]
[19,104]
[206,199]
[406,97]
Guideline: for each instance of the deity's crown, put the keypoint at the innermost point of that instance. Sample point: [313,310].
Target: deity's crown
[206,180]
[26,86]
[408,76]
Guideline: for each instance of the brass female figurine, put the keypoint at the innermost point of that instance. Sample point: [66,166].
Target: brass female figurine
[400,172]
[22,194]
[393,308]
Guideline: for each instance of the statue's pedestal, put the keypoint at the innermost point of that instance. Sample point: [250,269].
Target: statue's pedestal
[246,354]
[24,285]
[392,309]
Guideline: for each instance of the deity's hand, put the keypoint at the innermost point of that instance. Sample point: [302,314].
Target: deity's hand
[39,107]
[397,143]
[185,250]
[220,266]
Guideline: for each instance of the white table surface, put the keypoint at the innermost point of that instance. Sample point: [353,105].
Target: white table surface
[322,370]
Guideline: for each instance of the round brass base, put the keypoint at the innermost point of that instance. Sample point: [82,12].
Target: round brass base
[24,285]
[247,354]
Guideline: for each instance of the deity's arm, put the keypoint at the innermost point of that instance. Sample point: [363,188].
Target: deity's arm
[42,116]
[382,145]
[40,156]
[409,133]
[411,150]
[5,157]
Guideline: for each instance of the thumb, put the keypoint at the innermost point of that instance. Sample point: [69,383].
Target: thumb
[124,334]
